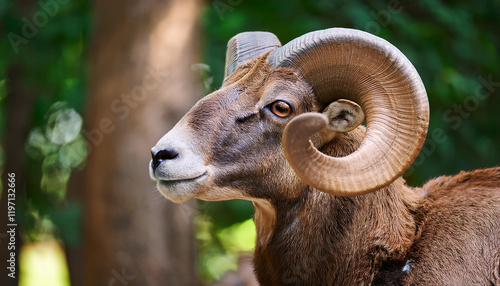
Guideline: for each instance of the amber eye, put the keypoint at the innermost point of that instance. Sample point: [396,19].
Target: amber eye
[281,108]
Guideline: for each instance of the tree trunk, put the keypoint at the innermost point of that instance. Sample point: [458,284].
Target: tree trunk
[19,108]
[74,253]
[140,84]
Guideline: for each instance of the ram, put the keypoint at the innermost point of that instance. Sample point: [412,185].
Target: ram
[331,208]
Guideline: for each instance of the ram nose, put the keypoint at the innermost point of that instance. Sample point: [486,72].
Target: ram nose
[162,155]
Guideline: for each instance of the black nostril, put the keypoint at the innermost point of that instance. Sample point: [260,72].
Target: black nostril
[162,155]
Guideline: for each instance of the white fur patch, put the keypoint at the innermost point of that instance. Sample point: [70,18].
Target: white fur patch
[408,266]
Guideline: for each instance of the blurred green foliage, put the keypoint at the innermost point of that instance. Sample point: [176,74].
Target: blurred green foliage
[44,265]
[220,247]
[454,46]
[47,42]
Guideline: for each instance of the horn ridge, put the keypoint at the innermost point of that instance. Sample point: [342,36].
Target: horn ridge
[246,46]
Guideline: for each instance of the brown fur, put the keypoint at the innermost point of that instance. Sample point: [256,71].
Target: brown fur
[458,238]
[450,237]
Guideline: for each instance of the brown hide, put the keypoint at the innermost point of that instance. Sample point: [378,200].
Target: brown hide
[458,238]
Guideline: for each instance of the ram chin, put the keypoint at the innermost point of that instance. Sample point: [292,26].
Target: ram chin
[181,190]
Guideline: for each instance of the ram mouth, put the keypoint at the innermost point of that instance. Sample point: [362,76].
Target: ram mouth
[173,183]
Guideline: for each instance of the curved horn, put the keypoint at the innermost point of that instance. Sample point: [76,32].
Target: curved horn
[246,46]
[345,63]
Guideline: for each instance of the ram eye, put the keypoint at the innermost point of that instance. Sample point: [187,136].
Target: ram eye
[281,108]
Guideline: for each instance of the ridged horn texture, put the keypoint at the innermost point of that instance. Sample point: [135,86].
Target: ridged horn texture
[350,64]
[246,46]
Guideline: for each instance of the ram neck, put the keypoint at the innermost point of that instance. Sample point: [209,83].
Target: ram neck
[322,239]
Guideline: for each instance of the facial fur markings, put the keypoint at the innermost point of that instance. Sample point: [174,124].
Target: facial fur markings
[244,118]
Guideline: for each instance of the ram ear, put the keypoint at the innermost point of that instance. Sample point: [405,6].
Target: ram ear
[343,115]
